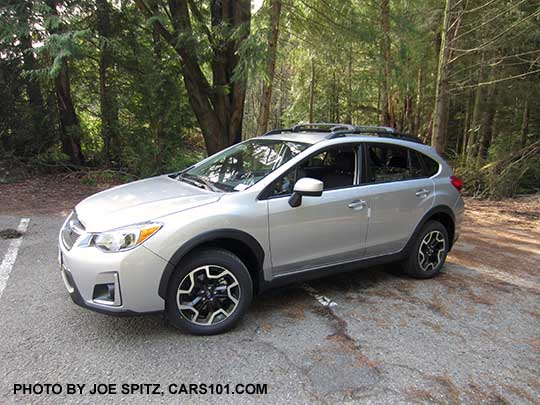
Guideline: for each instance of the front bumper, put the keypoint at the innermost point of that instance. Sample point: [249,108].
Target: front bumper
[79,300]
[133,279]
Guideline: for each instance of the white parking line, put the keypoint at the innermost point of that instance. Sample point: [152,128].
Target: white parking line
[11,255]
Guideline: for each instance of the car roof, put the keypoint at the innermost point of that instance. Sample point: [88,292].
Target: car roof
[315,137]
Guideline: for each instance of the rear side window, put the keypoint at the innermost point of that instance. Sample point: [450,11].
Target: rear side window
[416,165]
[386,163]
[431,166]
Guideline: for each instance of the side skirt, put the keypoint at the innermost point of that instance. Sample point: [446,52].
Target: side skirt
[331,270]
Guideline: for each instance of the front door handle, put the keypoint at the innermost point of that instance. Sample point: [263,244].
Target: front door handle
[422,192]
[357,204]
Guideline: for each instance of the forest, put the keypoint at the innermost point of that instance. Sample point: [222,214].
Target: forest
[144,87]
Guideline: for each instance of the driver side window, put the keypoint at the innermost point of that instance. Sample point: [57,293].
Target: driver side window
[335,167]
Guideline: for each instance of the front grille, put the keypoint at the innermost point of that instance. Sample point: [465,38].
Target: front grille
[72,231]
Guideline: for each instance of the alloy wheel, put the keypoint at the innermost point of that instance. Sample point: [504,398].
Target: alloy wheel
[431,251]
[208,295]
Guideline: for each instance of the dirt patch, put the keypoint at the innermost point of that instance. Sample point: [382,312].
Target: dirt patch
[47,194]
[501,235]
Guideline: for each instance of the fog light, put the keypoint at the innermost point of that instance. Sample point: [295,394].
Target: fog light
[104,294]
[107,293]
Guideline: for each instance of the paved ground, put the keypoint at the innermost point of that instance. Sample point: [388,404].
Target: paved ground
[470,335]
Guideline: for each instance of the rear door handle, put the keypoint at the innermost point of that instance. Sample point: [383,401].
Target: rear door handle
[422,192]
[357,204]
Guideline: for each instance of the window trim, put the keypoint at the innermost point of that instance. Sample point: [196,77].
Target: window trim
[358,169]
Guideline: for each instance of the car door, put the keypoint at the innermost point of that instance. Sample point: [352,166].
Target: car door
[323,230]
[398,193]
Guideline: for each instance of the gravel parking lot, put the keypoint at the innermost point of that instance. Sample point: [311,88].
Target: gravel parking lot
[471,335]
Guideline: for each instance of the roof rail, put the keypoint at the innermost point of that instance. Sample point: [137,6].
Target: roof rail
[375,128]
[321,127]
[277,131]
[335,130]
[383,133]
[313,127]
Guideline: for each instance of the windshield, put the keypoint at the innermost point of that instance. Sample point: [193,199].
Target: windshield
[245,164]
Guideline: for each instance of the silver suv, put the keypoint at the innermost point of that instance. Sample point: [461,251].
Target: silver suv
[293,204]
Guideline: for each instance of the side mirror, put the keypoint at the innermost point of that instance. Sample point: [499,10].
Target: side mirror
[306,186]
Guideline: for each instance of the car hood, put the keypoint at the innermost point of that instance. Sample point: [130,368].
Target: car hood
[140,201]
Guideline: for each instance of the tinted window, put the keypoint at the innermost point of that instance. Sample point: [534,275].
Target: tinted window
[416,166]
[432,166]
[284,185]
[335,167]
[387,163]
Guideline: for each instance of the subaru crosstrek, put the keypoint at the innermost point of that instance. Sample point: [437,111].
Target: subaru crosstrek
[293,204]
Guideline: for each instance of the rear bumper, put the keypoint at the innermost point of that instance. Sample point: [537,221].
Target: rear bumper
[459,210]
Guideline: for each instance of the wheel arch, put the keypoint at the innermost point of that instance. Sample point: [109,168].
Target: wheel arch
[240,243]
[441,213]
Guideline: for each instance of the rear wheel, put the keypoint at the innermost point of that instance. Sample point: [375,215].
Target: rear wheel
[429,251]
[209,293]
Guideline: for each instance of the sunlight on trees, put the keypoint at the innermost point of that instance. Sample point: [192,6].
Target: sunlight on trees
[149,86]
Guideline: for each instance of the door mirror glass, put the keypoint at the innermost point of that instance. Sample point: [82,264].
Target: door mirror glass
[305,186]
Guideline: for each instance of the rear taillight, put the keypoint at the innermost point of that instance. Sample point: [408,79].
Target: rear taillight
[456,182]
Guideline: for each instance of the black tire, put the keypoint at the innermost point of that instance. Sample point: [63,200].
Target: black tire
[216,259]
[415,265]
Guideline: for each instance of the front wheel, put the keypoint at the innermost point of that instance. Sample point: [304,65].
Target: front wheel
[429,251]
[209,293]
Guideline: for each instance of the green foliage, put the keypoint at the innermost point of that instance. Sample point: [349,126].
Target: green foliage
[337,41]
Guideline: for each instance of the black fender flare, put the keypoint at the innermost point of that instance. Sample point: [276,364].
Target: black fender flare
[439,209]
[206,237]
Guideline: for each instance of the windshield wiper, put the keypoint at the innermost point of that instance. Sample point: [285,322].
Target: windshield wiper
[197,181]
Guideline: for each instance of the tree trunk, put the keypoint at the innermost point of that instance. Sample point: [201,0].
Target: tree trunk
[525,124]
[69,121]
[41,130]
[467,122]
[440,113]
[273,35]
[312,90]
[386,117]
[282,100]
[418,107]
[475,124]
[218,106]
[348,117]
[107,97]
[409,113]
[466,127]
[335,91]
[478,112]
[486,128]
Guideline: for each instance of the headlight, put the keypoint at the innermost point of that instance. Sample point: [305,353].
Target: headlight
[126,238]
